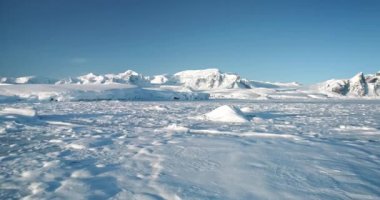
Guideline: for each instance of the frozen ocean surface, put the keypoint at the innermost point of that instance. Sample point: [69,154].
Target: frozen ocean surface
[312,149]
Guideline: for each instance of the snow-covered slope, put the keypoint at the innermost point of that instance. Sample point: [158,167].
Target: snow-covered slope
[357,86]
[262,84]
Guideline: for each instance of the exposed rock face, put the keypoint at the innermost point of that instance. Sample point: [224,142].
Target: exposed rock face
[337,86]
[372,79]
[358,86]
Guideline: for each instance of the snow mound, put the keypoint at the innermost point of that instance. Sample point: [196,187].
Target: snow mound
[19,112]
[209,79]
[226,114]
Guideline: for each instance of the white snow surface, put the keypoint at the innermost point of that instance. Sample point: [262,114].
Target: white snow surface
[159,79]
[289,149]
[24,112]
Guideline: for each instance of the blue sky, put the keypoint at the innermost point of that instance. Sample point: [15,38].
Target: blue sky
[286,40]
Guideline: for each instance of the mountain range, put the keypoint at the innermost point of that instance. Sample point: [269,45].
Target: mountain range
[211,80]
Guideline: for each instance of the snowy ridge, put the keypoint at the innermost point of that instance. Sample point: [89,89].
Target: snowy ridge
[127,77]
[27,80]
[206,79]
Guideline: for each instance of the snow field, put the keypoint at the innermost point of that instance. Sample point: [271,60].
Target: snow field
[161,150]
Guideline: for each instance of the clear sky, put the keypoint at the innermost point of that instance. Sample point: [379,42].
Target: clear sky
[285,40]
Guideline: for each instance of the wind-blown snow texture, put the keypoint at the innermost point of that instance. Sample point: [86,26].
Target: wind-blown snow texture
[160,150]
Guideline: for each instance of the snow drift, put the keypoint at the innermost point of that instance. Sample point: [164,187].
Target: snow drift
[27,112]
[229,114]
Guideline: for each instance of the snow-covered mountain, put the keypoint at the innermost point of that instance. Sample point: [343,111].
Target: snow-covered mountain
[209,79]
[359,85]
[127,77]
[206,79]
[27,80]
